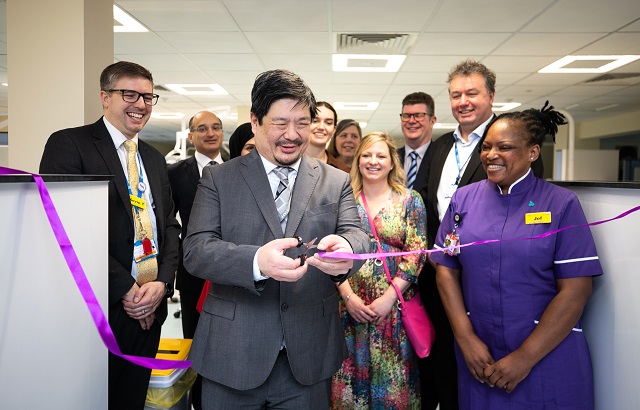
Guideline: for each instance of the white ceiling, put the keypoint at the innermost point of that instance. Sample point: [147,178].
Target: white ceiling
[229,42]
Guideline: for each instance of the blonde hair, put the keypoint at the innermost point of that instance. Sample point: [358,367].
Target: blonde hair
[396,178]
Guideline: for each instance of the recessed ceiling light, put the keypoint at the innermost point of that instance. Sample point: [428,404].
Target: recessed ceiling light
[505,106]
[606,107]
[167,115]
[197,89]
[614,62]
[127,23]
[367,62]
[5,84]
[364,106]
[363,124]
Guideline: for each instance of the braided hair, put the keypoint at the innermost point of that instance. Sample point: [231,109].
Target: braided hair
[536,124]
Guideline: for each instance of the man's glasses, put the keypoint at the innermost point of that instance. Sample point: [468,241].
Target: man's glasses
[131,96]
[204,128]
[418,116]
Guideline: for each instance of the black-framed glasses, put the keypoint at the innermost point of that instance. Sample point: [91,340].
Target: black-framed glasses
[131,96]
[405,116]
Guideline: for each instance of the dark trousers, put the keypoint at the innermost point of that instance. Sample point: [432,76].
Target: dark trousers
[128,382]
[190,289]
[438,372]
[280,391]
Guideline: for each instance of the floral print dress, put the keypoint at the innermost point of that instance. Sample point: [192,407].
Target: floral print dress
[381,370]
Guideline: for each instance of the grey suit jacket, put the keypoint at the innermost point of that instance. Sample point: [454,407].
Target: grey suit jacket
[243,324]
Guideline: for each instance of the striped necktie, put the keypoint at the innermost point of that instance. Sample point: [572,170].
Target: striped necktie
[413,169]
[147,268]
[283,194]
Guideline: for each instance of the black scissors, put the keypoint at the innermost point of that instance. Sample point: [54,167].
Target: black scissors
[307,246]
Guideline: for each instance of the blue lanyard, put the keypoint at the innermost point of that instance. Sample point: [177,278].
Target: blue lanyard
[140,180]
[460,168]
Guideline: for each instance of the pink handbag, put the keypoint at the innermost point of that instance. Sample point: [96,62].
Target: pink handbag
[415,319]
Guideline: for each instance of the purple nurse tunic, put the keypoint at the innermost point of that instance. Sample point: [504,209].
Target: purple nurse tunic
[507,285]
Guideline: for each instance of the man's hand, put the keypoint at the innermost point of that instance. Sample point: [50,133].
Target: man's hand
[274,264]
[142,301]
[334,267]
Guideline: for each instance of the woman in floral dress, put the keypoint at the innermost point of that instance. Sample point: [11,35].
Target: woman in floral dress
[381,370]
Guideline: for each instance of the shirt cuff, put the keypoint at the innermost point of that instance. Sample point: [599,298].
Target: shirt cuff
[257,275]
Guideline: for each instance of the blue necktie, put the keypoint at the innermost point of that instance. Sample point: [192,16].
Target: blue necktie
[413,169]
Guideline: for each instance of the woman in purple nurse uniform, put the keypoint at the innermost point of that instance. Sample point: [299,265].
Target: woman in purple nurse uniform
[515,306]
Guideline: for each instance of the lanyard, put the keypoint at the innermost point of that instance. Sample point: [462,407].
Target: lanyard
[141,185]
[460,168]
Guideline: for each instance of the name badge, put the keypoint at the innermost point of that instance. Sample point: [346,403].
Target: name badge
[144,249]
[137,202]
[534,218]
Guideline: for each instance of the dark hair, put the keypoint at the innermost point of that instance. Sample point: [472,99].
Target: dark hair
[333,151]
[240,136]
[114,72]
[420,98]
[275,85]
[535,124]
[330,107]
[468,67]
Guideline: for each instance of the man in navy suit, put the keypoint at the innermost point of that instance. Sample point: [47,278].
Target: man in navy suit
[136,310]
[206,135]
[416,120]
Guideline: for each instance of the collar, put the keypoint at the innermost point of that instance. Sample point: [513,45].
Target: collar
[270,166]
[475,135]
[117,137]
[422,150]
[513,189]
[204,160]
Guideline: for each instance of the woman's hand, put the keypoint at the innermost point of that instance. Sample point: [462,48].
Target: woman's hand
[360,312]
[477,356]
[382,306]
[507,372]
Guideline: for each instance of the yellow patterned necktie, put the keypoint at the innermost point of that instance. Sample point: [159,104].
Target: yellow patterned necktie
[147,268]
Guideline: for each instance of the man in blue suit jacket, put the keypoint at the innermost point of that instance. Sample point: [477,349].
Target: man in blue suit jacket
[270,334]
[136,312]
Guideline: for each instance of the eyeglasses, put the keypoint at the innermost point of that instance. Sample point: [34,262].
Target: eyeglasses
[418,116]
[131,96]
[204,128]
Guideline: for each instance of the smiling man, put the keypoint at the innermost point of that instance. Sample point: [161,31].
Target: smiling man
[206,135]
[270,334]
[141,219]
[416,120]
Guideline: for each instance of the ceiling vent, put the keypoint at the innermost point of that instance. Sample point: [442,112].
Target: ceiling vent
[616,79]
[374,43]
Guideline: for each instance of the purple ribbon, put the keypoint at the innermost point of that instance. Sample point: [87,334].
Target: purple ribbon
[365,256]
[84,286]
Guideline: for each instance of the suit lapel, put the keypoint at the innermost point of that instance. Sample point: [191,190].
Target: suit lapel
[308,175]
[104,145]
[256,178]
[194,174]
[472,167]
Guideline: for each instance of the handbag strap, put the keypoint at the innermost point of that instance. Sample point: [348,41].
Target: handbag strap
[384,260]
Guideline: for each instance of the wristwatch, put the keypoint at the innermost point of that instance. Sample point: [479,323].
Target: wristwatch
[168,287]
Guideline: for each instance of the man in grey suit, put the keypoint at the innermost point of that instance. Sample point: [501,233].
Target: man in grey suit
[270,334]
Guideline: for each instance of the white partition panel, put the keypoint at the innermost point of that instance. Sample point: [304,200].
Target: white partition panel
[51,355]
[612,317]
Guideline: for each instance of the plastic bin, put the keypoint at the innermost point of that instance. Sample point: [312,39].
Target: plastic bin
[168,388]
